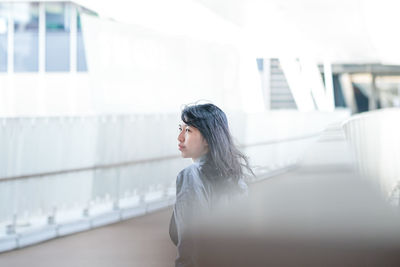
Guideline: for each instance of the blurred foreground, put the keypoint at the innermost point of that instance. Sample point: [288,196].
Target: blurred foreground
[320,214]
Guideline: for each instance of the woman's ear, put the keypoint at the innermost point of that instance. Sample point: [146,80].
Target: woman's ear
[205,142]
[206,146]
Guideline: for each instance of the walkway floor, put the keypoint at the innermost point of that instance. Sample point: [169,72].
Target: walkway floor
[142,241]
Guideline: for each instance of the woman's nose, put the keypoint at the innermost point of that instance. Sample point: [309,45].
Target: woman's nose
[181,137]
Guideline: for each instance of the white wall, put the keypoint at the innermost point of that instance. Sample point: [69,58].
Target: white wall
[134,69]
[375,139]
[46,94]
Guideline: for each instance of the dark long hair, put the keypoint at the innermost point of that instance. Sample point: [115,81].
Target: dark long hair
[224,159]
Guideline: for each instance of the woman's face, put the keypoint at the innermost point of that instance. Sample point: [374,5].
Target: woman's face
[191,142]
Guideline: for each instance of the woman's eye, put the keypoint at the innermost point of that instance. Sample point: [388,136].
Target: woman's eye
[187,130]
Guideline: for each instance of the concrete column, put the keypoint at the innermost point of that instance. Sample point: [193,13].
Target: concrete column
[329,90]
[373,96]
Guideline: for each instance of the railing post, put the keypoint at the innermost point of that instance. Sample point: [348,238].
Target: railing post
[52,218]
[11,228]
[85,212]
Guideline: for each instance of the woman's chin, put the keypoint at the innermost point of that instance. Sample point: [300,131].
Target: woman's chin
[186,157]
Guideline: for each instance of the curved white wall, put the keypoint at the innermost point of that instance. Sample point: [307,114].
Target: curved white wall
[375,139]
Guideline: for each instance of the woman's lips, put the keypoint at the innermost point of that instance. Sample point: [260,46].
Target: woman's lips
[181,147]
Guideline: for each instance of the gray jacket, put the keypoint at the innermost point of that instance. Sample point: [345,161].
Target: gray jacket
[195,194]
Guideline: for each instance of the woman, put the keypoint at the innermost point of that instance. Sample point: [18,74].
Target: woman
[214,178]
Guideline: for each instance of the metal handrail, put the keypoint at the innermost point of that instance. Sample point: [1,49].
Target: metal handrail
[101,166]
[367,114]
[284,140]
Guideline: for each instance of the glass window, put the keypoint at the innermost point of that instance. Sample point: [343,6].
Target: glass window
[57,36]
[81,55]
[26,47]
[3,36]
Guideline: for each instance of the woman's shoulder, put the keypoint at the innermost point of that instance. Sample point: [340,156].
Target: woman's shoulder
[193,170]
[189,176]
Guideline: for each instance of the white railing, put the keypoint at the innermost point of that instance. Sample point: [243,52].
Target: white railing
[375,140]
[61,175]
[68,162]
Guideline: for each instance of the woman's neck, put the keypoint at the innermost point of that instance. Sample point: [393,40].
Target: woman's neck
[200,159]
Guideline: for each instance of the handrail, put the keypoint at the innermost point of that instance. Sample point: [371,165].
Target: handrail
[96,167]
[283,140]
[367,114]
